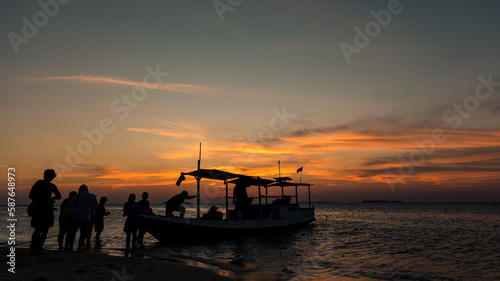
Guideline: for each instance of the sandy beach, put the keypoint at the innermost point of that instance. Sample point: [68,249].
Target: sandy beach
[63,265]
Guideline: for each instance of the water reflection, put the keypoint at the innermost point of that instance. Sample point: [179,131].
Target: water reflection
[346,242]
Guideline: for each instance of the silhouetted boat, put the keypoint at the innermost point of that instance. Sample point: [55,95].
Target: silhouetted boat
[257,218]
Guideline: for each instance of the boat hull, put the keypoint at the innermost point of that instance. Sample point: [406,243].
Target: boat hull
[170,228]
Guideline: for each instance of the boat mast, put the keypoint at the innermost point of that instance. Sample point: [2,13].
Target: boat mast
[309,191]
[260,200]
[198,178]
[279,176]
[227,199]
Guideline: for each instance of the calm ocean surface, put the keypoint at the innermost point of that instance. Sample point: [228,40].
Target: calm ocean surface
[371,241]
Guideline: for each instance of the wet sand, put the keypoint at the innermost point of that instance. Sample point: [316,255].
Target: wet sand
[63,265]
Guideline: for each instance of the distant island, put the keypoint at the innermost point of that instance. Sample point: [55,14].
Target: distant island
[381,201]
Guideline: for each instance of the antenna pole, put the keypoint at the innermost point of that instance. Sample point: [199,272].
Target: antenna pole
[279,169]
[199,157]
[198,178]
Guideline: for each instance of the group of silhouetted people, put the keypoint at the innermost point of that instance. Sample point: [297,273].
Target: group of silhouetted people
[76,215]
[77,212]
[81,211]
[132,210]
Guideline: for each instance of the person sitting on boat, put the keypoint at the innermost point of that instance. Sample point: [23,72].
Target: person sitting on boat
[175,204]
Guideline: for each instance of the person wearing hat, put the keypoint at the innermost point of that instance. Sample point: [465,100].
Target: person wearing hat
[175,204]
[43,209]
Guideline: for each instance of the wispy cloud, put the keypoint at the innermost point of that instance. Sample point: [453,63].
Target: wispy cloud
[179,130]
[191,89]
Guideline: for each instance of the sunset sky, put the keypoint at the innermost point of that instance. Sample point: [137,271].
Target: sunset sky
[395,100]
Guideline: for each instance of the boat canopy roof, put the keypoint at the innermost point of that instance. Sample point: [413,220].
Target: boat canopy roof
[252,181]
[234,178]
[285,181]
[215,174]
[280,179]
[282,184]
[210,174]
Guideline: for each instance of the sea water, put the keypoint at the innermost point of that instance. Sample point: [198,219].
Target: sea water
[359,241]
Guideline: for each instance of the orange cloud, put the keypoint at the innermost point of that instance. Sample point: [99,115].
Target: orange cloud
[356,159]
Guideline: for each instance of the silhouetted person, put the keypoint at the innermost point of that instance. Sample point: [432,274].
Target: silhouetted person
[131,210]
[175,204]
[84,206]
[99,218]
[89,233]
[43,206]
[240,198]
[65,220]
[145,209]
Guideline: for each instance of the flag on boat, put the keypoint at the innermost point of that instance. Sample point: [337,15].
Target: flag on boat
[299,170]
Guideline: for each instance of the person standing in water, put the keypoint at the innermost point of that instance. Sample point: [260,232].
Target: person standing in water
[145,209]
[43,209]
[65,220]
[131,211]
[99,219]
[84,207]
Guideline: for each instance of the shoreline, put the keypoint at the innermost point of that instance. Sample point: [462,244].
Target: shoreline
[89,265]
